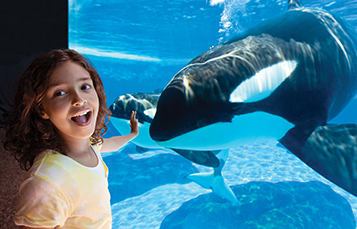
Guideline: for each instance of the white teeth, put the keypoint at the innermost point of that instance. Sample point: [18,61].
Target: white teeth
[82,113]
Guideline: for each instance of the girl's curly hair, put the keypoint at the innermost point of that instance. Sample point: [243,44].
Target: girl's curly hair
[27,133]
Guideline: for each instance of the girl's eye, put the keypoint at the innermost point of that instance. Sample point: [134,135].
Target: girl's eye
[59,93]
[86,87]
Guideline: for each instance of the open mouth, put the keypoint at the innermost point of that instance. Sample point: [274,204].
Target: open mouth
[83,118]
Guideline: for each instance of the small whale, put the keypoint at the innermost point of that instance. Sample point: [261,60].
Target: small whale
[278,80]
[145,106]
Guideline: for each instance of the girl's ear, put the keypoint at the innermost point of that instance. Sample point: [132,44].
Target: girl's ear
[41,112]
[44,115]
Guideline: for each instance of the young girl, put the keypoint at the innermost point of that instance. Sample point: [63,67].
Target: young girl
[55,130]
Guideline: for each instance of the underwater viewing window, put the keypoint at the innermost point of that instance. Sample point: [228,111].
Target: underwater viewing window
[240,114]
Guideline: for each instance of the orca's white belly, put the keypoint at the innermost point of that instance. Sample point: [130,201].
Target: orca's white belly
[243,129]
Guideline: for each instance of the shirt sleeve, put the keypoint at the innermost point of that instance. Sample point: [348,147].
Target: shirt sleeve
[41,204]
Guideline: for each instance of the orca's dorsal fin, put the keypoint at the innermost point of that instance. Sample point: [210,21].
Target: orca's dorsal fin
[293,4]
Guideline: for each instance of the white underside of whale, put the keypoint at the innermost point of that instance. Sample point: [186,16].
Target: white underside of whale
[244,129]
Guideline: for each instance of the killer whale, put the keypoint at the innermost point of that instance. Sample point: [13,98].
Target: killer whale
[145,105]
[278,80]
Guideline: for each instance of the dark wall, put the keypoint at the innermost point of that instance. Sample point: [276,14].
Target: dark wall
[27,28]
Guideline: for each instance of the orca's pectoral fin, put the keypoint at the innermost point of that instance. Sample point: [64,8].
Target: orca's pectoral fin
[206,158]
[294,140]
[331,150]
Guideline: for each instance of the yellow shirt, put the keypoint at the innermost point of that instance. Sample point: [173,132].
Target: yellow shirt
[57,190]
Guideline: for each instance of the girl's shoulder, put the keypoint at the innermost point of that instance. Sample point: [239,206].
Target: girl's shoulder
[51,164]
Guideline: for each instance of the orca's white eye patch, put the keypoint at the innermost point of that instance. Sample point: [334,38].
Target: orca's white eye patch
[263,83]
[150,112]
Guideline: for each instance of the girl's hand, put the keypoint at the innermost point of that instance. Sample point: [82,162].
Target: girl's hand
[134,123]
[115,143]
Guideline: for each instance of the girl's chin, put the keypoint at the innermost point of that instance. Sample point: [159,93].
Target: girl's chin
[78,133]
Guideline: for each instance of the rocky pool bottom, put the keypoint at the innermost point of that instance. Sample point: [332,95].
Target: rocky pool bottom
[274,189]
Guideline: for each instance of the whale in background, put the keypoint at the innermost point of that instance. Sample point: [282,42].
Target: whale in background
[145,106]
[279,80]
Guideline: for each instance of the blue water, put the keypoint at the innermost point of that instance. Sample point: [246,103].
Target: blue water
[138,46]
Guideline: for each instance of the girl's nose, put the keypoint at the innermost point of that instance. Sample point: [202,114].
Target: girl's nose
[78,100]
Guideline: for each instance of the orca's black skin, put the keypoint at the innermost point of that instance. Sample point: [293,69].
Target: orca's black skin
[320,87]
[323,82]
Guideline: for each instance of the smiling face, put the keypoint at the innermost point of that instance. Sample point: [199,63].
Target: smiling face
[71,102]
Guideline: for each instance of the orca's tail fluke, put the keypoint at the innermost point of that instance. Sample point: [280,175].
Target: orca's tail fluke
[215,181]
